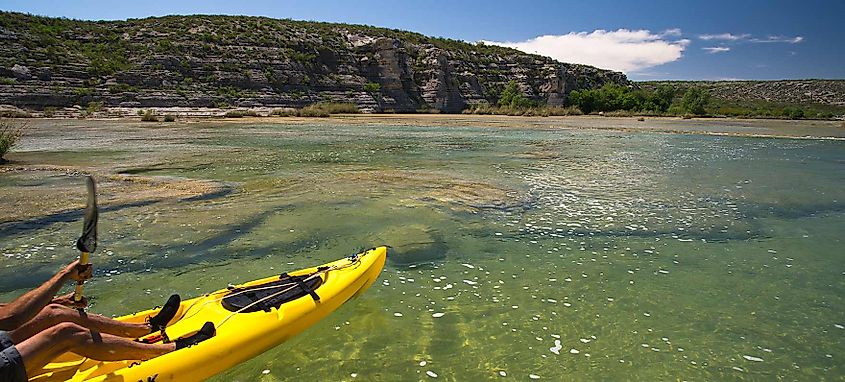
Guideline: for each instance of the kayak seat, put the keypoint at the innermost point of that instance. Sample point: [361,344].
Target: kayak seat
[272,294]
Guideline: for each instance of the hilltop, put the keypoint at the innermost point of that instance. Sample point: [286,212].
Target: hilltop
[47,64]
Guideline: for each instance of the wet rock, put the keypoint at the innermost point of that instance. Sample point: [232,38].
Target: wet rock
[412,245]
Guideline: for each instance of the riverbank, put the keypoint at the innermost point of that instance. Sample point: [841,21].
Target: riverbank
[772,128]
[706,126]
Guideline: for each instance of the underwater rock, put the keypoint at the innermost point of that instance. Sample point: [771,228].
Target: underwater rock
[412,245]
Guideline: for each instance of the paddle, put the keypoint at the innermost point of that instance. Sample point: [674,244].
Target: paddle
[87,243]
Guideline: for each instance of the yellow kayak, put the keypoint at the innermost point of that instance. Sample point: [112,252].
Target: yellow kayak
[249,319]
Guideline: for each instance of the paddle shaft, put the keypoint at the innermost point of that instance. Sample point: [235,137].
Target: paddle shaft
[77,294]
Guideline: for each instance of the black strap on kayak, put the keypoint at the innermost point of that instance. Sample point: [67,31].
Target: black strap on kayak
[308,290]
[301,284]
[272,294]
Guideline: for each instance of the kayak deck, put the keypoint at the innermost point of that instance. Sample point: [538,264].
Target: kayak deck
[248,317]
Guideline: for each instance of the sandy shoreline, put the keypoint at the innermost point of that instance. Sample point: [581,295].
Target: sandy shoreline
[708,126]
[770,128]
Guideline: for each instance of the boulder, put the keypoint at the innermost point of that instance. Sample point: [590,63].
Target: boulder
[413,244]
[21,72]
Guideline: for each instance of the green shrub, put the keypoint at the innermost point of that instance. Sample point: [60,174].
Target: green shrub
[121,88]
[241,113]
[149,116]
[320,109]
[338,107]
[313,111]
[618,113]
[15,114]
[559,111]
[694,101]
[613,97]
[793,112]
[538,111]
[372,87]
[81,92]
[513,97]
[229,92]
[286,112]
[94,107]
[10,134]
[170,118]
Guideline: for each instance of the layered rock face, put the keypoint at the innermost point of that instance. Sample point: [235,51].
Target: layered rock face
[255,62]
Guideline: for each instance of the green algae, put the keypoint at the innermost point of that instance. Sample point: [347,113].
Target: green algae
[648,256]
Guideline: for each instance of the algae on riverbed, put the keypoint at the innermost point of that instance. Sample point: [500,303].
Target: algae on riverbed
[632,255]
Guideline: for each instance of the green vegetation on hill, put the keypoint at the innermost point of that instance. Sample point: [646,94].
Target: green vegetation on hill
[246,61]
[110,46]
[661,100]
[240,62]
[783,99]
[612,97]
[513,98]
[665,99]
[763,109]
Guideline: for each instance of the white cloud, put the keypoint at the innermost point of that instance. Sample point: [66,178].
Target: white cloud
[788,40]
[724,37]
[747,37]
[623,50]
[671,32]
[716,49]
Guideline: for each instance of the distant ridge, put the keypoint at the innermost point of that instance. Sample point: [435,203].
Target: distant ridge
[809,91]
[241,61]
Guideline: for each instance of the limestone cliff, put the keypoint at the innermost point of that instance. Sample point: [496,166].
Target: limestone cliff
[238,61]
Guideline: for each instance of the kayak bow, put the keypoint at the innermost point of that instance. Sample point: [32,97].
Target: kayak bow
[250,319]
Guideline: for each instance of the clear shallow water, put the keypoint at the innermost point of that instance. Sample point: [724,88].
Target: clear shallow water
[564,254]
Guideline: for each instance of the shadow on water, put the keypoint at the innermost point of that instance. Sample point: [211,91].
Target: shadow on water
[226,190]
[793,211]
[32,275]
[68,216]
[212,258]
[205,247]
[524,204]
[157,168]
[208,252]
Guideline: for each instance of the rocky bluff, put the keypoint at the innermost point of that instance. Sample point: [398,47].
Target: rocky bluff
[237,61]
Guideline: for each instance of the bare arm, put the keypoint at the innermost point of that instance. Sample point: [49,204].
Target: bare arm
[30,303]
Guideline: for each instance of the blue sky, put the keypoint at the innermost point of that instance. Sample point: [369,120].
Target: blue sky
[648,40]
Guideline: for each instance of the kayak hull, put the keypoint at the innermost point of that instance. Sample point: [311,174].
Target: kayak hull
[240,336]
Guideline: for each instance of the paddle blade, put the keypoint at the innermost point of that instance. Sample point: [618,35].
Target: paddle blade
[88,241]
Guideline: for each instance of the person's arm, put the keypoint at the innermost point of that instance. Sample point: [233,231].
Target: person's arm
[30,303]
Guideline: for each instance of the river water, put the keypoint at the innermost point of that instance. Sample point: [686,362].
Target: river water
[547,254]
